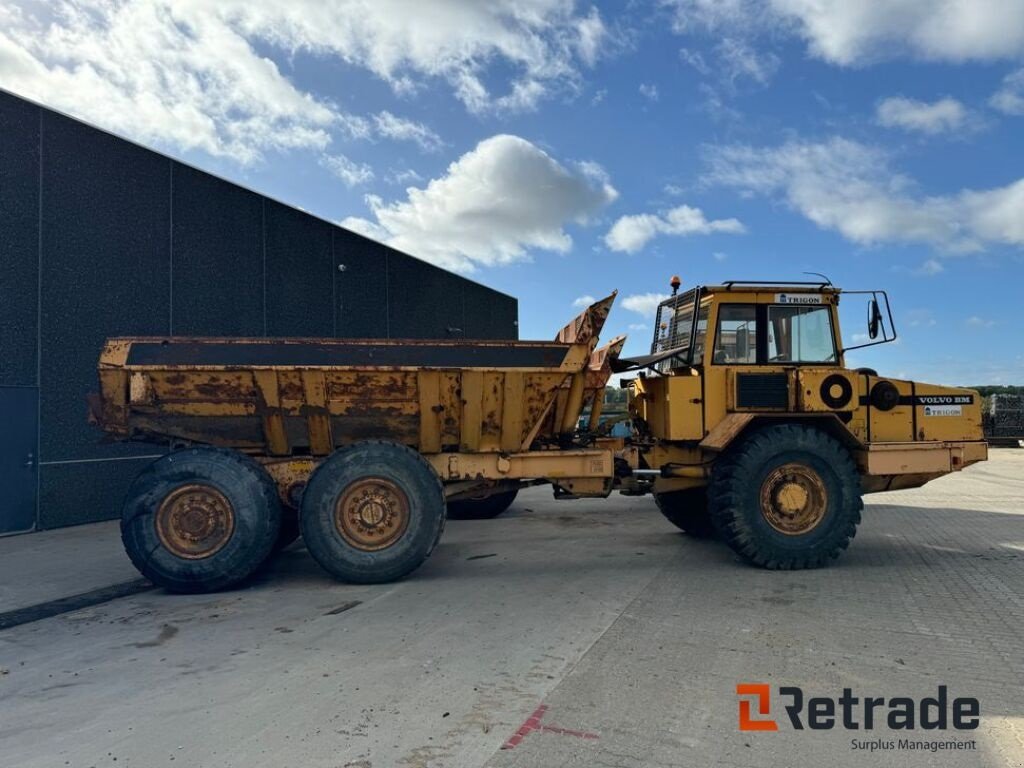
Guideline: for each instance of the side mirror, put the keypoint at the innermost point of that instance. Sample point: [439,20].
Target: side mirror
[874,319]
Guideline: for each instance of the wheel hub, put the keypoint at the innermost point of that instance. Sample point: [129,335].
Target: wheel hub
[793,499]
[195,521]
[372,514]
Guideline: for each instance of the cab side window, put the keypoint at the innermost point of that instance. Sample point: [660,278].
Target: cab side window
[800,335]
[702,331]
[736,337]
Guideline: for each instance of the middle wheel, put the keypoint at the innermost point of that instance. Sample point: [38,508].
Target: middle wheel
[481,508]
[687,510]
[372,512]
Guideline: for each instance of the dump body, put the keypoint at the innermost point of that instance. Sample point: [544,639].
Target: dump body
[294,396]
[282,398]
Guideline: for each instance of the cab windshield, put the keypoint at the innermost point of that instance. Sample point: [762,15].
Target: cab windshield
[794,334]
[800,335]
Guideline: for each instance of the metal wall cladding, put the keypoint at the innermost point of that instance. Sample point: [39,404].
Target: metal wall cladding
[360,286]
[72,494]
[19,239]
[105,268]
[492,315]
[300,289]
[115,239]
[409,317]
[217,252]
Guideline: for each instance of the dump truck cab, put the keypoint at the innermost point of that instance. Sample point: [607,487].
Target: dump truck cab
[726,358]
[749,425]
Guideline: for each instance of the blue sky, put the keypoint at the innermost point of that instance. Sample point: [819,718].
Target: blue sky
[557,150]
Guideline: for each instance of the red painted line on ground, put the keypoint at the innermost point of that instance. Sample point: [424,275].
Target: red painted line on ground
[532,723]
[569,732]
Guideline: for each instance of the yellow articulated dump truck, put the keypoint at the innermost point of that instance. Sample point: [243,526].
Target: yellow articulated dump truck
[745,424]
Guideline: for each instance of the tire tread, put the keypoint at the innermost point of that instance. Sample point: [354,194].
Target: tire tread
[726,494]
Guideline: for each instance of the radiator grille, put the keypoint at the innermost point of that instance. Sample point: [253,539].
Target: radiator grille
[762,390]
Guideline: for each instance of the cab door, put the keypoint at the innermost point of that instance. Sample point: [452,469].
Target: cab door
[737,374]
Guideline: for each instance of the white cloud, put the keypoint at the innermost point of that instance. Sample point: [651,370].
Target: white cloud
[401,129]
[849,187]
[979,322]
[644,303]
[739,59]
[843,32]
[649,91]
[719,256]
[163,74]
[920,318]
[405,176]
[583,301]
[930,267]
[493,205]
[638,327]
[941,116]
[349,171]
[696,60]
[631,233]
[855,33]
[733,59]
[592,36]
[199,75]
[1009,99]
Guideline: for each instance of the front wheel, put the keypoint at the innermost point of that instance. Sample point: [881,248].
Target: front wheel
[372,512]
[788,496]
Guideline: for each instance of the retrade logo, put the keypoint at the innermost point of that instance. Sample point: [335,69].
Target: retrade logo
[762,696]
[852,713]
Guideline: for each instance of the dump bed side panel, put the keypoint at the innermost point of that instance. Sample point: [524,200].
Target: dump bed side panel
[284,397]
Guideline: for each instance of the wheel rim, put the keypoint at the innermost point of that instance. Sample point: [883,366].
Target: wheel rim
[372,514]
[793,499]
[195,521]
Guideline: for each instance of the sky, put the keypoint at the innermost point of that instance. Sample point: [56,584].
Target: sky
[557,150]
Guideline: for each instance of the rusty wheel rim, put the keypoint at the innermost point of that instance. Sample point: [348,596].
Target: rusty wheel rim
[793,499]
[372,514]
[195,521]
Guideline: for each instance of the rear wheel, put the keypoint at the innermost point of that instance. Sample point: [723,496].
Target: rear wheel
[787,497]
[483,508]
[200,520]
[687,510]
[372,512]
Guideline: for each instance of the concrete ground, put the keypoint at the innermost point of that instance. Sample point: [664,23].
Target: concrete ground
[593,629]
[50,565]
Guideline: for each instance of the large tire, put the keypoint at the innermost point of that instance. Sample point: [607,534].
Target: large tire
[372,512]
[687,510]
[481,509]
[788,496]
[200,520]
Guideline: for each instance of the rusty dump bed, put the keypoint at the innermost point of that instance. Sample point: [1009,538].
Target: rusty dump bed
[282,397]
